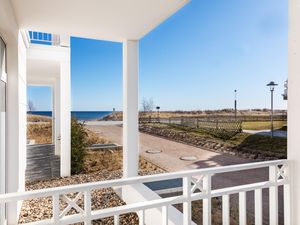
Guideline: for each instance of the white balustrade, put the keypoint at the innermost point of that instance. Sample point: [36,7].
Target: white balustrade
[197,185]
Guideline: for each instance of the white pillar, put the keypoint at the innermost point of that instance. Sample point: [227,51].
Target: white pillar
[294,107]
[56,116]
[130,109]
[65,118]
[53,113]
[16,124]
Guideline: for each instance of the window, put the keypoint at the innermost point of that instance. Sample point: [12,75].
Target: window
[2,57]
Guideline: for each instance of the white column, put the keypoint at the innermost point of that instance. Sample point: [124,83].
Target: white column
[16,124]
[65,119]
[53,113]
[130,108]
[294,107]
[57,116]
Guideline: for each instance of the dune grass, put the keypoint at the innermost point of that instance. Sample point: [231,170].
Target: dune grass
[38,118]
[42,134]
[263,125]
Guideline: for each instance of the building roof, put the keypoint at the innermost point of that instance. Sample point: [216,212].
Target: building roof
[114,20]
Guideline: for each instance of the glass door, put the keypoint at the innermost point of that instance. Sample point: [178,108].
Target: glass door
[2,126]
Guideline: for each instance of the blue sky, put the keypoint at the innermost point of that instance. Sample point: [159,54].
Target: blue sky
[194,60]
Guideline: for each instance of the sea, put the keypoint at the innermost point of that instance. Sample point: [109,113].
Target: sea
[79,115]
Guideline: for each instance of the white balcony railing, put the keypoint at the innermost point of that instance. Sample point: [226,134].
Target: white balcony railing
[43,38]
[196,186]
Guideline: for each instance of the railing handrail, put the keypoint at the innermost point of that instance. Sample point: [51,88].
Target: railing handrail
[10,197]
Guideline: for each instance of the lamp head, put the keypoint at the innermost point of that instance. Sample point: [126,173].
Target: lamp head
[272,85]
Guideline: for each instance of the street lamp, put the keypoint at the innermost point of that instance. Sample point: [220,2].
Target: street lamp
[158,108]
[272,85]
[235,105]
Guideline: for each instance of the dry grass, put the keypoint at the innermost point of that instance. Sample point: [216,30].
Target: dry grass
[263,125]
[111,160]
[37,118]
[39,129]
[197,113]
[41,133]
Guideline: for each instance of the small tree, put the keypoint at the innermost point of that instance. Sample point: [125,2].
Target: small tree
[30,106]
[78,146]
[147,105]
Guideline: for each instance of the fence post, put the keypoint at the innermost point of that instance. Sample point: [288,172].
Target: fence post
[87,207]
[169,120]
[287,197]
[273,195]
[181,121]
[197,123]
[243,208]
[55,208]
[187,206]
[207,201]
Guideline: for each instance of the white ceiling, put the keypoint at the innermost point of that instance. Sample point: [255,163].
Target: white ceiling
[41,72]
[114,20]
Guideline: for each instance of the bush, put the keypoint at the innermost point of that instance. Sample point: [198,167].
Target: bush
[78,146]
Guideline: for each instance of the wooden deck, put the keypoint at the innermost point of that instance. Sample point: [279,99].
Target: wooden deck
[42,163]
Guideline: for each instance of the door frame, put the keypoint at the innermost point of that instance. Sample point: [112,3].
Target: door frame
[3,188]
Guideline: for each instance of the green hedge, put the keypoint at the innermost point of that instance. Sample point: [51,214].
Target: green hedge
[78,146]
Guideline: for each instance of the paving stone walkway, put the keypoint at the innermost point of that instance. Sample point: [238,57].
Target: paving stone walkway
[169,159]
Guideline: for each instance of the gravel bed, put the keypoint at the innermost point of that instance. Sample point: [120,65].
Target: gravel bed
[41,208]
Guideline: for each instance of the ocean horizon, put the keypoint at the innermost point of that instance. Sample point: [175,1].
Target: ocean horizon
[79,115]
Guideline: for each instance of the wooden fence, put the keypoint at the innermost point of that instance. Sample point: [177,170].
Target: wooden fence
[220,128]
[249,118]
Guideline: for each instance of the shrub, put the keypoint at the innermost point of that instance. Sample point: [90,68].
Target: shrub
[78,146]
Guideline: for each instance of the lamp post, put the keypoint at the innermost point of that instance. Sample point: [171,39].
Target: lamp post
[235,105]
[158,108]
[272,85]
